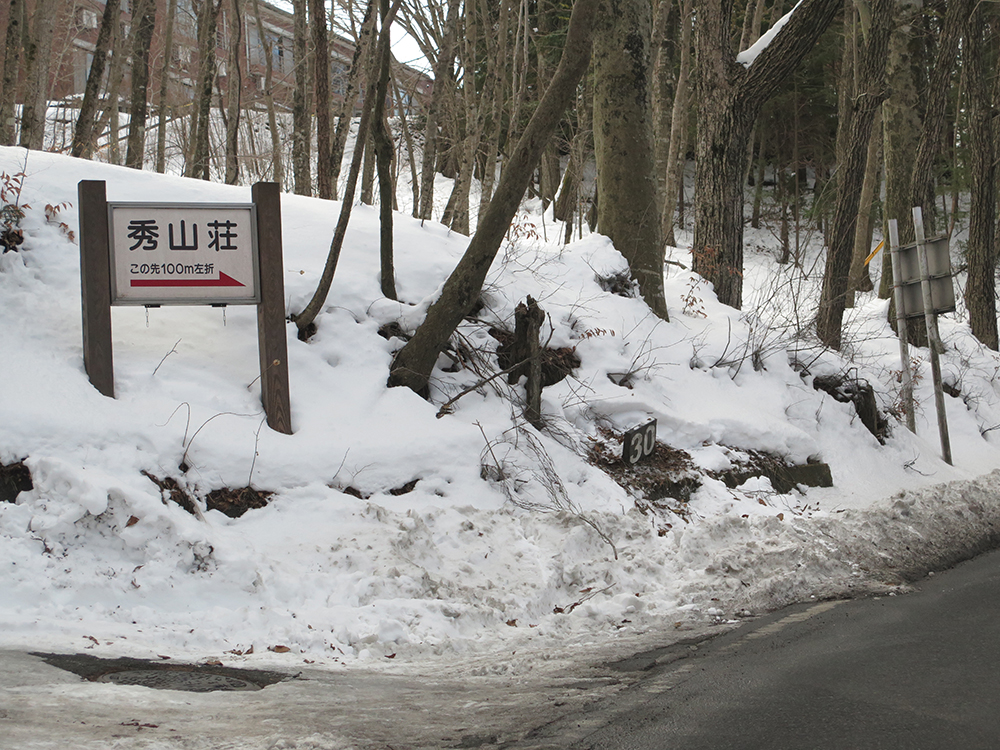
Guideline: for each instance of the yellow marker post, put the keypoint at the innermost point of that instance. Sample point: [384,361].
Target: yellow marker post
[874,252]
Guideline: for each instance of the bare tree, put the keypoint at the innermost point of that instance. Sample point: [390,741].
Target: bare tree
[413,364]
[321,56]
[301,121]
[165,69]
[871,92]
[980,292]
[628,203]
[304,320]
[16,19]
[84,135]
[234,90]
[382,142]
[359,64]
[208,18]
[443,66]
[37,54]
[277,168]
[673,179]
[143,23]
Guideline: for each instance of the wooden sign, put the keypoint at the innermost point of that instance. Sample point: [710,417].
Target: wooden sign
[185,254]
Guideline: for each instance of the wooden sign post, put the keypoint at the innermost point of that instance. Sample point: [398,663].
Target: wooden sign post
[156,254]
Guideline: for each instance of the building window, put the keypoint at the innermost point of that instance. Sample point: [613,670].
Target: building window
[86,18]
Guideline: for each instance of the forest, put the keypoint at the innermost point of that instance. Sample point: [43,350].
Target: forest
[637,119]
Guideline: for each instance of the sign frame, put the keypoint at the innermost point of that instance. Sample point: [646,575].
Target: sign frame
[119,298]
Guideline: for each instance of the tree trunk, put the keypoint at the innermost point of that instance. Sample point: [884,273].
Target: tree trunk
[321,55]
[936,109]
[860,280]
[162,106]
[678,128]
[234,92]
[201,125]
[730,97]
[109,120]
[413,364]
[143,25]
[870,95]
[665,45]
[498,51]
[458,219]
[901,130]
[16,19]
[442,83]
[980,291]
[549,169]
[411,156]
[38,53]
[628,200]
[383,157]
[301,121]
[83,134]
[568,200]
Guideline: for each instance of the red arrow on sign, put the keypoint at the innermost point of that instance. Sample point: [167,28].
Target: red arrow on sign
[223,280]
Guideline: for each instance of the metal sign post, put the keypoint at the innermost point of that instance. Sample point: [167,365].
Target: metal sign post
[156,254]
[933,336]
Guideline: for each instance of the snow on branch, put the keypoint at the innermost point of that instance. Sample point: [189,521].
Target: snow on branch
[747,57]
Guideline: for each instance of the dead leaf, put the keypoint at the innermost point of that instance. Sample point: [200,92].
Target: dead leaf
[91,638]
[132,521]
[781,516]
[390,656]
[512,623]
[213,663]
[279,649]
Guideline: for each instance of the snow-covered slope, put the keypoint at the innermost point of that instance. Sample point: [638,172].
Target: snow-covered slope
[385,535]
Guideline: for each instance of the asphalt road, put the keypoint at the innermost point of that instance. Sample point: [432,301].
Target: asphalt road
[918,671]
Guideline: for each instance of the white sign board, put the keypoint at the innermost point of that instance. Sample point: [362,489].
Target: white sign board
[183,254]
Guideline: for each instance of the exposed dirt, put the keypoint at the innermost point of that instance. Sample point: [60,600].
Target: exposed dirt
[15,478]
[235,502]
[667,478]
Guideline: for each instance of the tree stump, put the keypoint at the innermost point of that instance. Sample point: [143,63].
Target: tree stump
[527,352]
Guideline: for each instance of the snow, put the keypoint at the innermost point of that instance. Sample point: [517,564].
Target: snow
[747,57]
[456,565]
